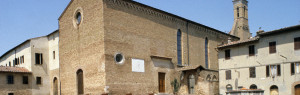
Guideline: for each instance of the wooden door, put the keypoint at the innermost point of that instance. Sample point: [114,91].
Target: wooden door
[274,92]
[161,82]
[297,89]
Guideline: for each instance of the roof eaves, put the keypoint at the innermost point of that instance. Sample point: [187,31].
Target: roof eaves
[14,48]
[24,43]
[295,27]
[235,43]
[190,21]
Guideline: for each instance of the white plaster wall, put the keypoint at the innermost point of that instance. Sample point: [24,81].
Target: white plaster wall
[240,62]
[53,46]
[40,45]
[21,50]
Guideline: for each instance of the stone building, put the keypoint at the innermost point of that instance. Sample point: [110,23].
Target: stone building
[268,63]
[31,68]
[240,26]
[125,47]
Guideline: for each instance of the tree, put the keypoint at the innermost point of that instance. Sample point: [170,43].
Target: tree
[175,86]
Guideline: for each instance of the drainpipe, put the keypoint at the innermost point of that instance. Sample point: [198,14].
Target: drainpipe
[283,65]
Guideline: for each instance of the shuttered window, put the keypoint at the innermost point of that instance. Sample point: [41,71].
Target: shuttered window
[267,71]
[10,79]
[272,47]
[251,50]
[252,72]
[292,68]
[227,54]
[278,70]
[228,74]
[38,80]
[38,58]
[25,79]
[297,43]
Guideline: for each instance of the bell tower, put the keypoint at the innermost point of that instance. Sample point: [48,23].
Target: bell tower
[240,26]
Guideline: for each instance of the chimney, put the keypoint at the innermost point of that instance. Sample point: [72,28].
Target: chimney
[259,32]
[229,40]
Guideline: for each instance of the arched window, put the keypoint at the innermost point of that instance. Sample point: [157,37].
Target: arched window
[215,78]
[228,87]
[274,90]
[253,86]
[80,85]
[238,12]
[206,53]
[179,49]
[244,11]
[55,86]
[191,84]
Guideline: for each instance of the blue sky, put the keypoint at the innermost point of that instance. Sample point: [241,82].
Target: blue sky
[24,19]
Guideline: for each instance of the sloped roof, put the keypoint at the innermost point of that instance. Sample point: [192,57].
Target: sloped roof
[256,38]
[239,42]
[14,69]
[28,40]
[164,12]
[282,30]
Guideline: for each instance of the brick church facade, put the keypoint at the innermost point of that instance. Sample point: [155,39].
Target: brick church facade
[125,47]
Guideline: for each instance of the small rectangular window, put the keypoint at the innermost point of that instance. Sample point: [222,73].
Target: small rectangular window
[292,68]
[10,93]
[18,61]
[228,74]
[227,54]
[267,71]
[272,47]
[251,50]
[25,79]
[22,59]
[38,80]
[10,79]
[295,68]
[278,70]
[274,69]
[53,54]
[252,72]
[297,43]
[38,58]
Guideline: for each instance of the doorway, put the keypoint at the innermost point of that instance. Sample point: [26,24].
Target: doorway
[274,90]
[191,84]
[55,86]
[161,82]
[297,89]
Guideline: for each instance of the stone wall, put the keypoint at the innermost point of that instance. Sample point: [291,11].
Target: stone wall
[138,32]
[240,62]
[82,47]
[18,88]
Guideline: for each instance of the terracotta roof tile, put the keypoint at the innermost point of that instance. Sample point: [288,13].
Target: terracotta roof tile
[239,42]
[14,69]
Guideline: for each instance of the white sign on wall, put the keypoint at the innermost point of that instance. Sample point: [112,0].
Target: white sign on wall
[138,65]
